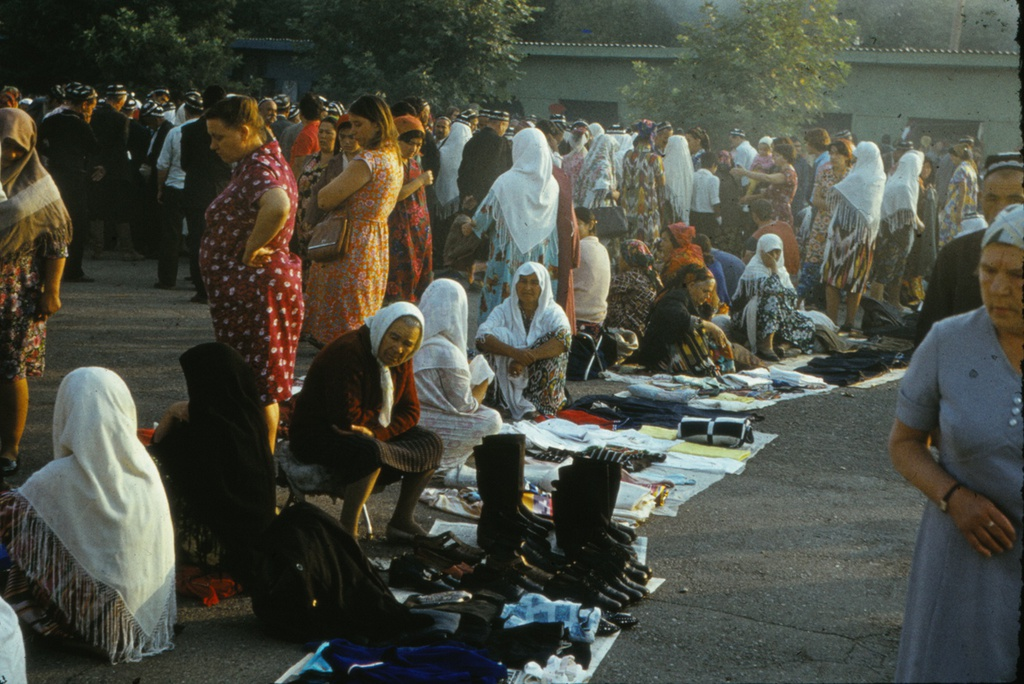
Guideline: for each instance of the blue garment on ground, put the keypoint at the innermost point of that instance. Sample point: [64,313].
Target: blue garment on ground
[447,663]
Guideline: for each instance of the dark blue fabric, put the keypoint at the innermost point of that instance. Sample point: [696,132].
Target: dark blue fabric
[732,267]
[632,413]
[721,285]
[447,663]
[844,369]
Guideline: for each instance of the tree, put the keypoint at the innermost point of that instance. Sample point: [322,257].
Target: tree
[444,50]
[177,43]
[772,66]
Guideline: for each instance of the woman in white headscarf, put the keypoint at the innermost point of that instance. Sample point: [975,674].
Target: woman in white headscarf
[358,415]
[597,183]
[519,215]
[446,188]
[90,534]
[850,245]
[678,180]
[527,340]
[765,302]
[896,232]
[451,388]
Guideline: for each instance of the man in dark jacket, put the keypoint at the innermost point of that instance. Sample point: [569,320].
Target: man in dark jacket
[112,197]
[486,156]
[205,177]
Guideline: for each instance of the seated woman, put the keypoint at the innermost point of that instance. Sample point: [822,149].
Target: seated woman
[214,456]
[633,289]
[450,395]
[764,304]
[90,534]
[678,249]
[680,336]
[526,339]
[358,414]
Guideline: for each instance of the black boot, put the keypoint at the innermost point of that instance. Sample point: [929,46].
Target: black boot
[499,531]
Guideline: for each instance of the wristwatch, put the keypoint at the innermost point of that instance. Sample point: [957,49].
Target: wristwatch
[944,503]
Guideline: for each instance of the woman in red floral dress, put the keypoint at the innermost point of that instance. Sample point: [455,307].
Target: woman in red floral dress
[254,282]
[411,249]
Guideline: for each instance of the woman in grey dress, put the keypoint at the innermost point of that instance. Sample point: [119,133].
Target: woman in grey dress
[962,619]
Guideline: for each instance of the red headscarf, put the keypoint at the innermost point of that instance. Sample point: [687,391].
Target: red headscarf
[408,122]
[685,252]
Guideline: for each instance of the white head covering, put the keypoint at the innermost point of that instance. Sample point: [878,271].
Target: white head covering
[766,140]
[12,647]
[902,188]
[756,270]
[379,324]
[528,193]
[679,176]
[102,497]
[506,324]
[597,175]
[863,187]
[447,186]
[445,315]
[596,130]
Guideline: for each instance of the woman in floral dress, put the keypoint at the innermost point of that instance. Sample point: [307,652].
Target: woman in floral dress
[312,171]
[342,294]
[411,245]
[253,280]
[643,186]
[35,230]
[962,194]
[812,251]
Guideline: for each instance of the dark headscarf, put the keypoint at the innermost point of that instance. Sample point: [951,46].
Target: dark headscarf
[636,254]
[645,131]
[219,461]
[34,207]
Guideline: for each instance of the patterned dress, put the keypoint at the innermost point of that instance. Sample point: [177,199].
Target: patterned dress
[22,337]
[258,311]
[643,187]
[342,294]
[812,251]
[312,170]
[777,313]
[411,246]
[782,195]
[630,299]
[504,257]
[962,199]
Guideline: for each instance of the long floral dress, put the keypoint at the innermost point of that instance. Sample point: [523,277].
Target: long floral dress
[781,196]
[258,311]
[22,336]
[342,294]
[311,172]
[776,313]
[411,245]
[812,251]
[962,200]
[643,188]
[504,258]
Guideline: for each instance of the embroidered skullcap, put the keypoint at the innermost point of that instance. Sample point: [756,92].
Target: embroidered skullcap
[579,123]
[1003,160]
[766,140]
[264,100]
[130,105]
[282,101]
[615,128]
[159,91]
[194,100]
[57,92]
[293,111]
[79,92]
[470,112]
[845,135]
[150,108]
[738,132]
[664,126]
[116,90]
[1007,228]
[966,140]
[335,108]
[905,145]
[442,118]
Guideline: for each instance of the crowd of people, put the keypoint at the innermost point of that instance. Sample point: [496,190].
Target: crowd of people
[709,260]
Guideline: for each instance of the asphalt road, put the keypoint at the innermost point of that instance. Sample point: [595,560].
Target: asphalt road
[794,571]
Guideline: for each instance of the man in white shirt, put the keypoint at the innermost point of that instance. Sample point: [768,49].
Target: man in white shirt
[170,187]
[593,277]
[706,206]
[743,152]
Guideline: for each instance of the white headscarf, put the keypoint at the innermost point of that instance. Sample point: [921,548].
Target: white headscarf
[506,324]
[102,497]
[447,186]
[528,192]
[445,315]
[756,270]
[379,324]
[862,188]
[596,130]
[625,145]
[597,176]
[12,647]
[679,176]
[903,187]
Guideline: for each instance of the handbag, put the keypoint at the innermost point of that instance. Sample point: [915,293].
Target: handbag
[328,241]
[611,221]
[727,431]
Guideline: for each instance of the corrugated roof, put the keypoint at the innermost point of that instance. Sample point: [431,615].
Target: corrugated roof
[601,45]
[853,48]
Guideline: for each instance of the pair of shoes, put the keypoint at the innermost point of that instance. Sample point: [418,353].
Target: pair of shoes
[397,536]
[199,299]
[410,572]
[845,329]
[607,628]
[10,466]
[451,547]
[161,286]
[623,620]
[767,355]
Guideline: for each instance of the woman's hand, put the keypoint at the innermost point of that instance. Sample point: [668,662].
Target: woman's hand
[738,172]
[768,260]
[981,523]
[49,304]
[175,413]
[258,257]
[525,357]
[465,224]
[427,178]
[515,368]
[716,334]
[356,430]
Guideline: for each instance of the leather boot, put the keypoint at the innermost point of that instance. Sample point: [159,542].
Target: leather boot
[499,530]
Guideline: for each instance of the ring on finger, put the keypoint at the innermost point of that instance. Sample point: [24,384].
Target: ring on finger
[991,523]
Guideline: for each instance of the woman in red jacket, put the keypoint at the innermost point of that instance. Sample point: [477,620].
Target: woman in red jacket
[358,411]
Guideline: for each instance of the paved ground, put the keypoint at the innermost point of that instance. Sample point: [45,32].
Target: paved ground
[794,571]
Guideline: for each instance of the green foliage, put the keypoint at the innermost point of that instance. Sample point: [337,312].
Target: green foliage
[605,21]
[444,50]
[177,43]
[772,67]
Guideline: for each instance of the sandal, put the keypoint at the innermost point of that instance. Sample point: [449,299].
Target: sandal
[607,628]
[623,620]
[10,466]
